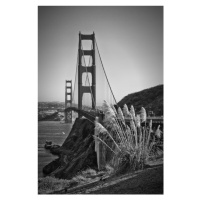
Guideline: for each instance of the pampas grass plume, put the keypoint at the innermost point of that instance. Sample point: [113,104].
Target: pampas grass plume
[158,132]
[132,125]
[150,123]
[99,128]
[143,115]
[125,110]
[113,107]
[132,112]
[120,114]
[137,120]
[108,111]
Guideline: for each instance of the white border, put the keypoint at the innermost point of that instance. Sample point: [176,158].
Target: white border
[19,98]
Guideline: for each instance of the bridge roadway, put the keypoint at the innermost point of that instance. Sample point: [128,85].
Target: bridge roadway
[92,114]
[89,115]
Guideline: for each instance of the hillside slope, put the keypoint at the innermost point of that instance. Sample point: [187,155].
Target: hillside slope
[150,99]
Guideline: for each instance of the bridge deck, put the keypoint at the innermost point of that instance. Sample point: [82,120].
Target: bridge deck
[92,114]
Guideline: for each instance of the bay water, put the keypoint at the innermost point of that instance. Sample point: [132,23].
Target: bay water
[50,131]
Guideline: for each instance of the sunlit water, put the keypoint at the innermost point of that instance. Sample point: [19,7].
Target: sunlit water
[52,131]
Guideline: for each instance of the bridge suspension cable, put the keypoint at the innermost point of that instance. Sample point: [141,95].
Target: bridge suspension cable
[105,72]
[74,90]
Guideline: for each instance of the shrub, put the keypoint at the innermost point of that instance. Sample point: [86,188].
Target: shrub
[132,144]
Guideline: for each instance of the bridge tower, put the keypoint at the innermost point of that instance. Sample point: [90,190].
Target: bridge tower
[68,101]
[90,69]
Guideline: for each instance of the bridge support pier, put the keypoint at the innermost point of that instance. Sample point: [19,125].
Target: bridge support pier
[89,69]
[68,101]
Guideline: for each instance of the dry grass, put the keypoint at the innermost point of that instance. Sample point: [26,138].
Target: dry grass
[51,184]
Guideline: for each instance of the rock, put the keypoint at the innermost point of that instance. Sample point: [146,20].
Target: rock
[55,149]
[76,153]
[48,142]
[51,166]
[47,146]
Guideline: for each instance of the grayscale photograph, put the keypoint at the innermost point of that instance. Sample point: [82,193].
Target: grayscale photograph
[100,100]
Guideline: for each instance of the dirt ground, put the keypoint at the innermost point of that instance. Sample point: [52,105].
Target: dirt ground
[147,182]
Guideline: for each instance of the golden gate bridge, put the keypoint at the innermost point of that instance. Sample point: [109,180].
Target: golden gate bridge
[91,85]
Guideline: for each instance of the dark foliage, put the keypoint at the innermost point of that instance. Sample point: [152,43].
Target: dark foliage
[151,99]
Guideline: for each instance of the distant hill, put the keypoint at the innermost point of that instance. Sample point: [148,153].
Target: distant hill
[150,99]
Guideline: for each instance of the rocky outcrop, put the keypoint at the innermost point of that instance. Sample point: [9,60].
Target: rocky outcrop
[77,152]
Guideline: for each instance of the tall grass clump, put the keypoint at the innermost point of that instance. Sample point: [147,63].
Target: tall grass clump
[132,143]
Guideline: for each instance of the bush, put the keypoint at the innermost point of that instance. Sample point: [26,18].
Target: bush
[132,144]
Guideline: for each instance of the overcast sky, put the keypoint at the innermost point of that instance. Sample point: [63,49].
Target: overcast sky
[130,40]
